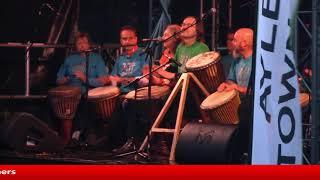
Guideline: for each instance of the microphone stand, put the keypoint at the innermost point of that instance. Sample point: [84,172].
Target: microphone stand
[87,76]
[87,85]
[87,54]
[149,54]
[86,95]
[141,77]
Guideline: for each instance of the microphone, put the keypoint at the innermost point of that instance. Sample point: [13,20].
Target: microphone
[209,13]
[175,62]
[158,39]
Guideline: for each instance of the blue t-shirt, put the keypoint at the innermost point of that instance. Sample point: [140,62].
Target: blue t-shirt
[226,61]
[240,71]
[76,62]
[130,67]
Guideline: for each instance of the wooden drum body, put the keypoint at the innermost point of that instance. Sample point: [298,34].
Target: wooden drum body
[208,69]
[222,107]
[64,100]
[103,101]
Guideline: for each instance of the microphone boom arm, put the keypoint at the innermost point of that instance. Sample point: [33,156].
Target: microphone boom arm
[145,75]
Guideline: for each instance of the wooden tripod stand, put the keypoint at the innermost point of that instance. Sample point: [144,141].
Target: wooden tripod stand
[183,84]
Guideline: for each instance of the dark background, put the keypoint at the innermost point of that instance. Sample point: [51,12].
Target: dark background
[21,22]
[102,19]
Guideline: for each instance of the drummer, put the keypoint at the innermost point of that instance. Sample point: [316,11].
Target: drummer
[166,73]
[240,69]
[72,73]
[238,79]
[129,111]
[129,65]
[191,42]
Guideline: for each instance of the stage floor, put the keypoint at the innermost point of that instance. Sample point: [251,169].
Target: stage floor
[79,156]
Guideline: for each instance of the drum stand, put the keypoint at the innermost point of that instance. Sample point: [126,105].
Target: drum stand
[182,84]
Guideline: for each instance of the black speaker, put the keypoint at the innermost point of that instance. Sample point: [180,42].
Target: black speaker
[25,132]
[206,143]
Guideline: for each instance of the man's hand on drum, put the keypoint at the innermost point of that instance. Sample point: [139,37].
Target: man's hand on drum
[227,86]
[159,81]
[222,87]
[105,80]
[80,75]
[231,86]
[115,80]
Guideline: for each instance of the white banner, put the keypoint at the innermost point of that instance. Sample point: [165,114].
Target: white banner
[277,135]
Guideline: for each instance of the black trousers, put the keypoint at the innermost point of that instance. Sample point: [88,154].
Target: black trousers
[242,139]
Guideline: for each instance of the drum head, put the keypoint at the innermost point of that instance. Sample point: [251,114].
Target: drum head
[202,60]
[142,94]
[304,99]
[217,99]
[101,92]
[64,90]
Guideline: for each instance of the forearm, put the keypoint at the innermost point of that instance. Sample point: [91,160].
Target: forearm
[157,81]
[241,89]
[167,75]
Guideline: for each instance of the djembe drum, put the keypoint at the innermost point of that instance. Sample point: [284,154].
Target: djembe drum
[64,101]
[208,69]
[222,107]
[103,101]
[141,100]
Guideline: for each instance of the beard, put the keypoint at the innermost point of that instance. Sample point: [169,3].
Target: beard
[239,51]
[128,47]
